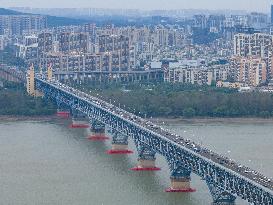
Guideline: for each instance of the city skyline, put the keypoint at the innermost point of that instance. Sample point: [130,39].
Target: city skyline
[248,5]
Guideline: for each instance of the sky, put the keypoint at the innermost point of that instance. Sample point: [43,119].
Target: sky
[249,5]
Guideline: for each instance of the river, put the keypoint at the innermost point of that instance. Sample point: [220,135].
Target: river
[47,163]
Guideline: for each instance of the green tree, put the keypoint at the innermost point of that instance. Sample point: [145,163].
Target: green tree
[189,112]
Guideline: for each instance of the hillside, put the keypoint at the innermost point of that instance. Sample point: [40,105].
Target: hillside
[51,20]
[4,11]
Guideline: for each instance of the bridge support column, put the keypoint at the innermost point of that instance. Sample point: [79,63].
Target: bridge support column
[79,120]
[119,144]
[97,130]
[219,196]
[61,111]
[146,160]
[180,180]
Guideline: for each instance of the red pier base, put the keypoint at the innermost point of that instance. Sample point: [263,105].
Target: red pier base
[119,152]
[98,138]
[78,126]
[63,114]
[145,169]
[180,190]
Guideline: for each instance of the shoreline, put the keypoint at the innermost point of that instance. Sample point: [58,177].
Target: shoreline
[155,120]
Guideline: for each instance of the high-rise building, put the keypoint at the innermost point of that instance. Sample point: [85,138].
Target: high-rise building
[16,24]
[73,42]
[252,71]
[255,45]
[249,70]
[271,14]
[258,20]
[115,49]
[45,44]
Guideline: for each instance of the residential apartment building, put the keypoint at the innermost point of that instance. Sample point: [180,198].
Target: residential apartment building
[75,62]
[252,71]
[200,75]
[73,42]
[115,52]
[16,24]
[258,45]
[28,49]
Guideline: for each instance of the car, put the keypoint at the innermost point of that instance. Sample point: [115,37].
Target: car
[197,149]
[221,162]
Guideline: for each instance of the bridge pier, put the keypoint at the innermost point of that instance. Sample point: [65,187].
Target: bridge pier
[180,180]
[62,111]
[219,196]
[119,144]
[79,120]
[146,160]
[97,130]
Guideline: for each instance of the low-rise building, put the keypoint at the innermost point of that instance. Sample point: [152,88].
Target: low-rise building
[226,84]
[201,75]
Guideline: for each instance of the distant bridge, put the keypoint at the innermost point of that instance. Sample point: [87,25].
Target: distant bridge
[225,178]
[9,73]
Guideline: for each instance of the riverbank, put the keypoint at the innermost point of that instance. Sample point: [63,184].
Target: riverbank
[212,120]
[14,101]
[155,120]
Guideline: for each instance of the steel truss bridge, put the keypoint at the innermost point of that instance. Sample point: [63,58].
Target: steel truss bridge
[225,178]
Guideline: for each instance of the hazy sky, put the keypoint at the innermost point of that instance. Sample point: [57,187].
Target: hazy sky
[250,5]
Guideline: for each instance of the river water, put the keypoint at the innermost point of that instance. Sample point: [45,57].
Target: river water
[47,163]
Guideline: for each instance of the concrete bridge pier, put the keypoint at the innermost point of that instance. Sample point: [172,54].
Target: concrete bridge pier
[79,120]
[180,180]
[146,160]
[119,144]
[62,111]
[219,196]
[97,131]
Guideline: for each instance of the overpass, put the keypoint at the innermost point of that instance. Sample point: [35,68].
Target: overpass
[225,178]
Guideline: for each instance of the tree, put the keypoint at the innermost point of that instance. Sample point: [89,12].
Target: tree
[264,114]
[189,112]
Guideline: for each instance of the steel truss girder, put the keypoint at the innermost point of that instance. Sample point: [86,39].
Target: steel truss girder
[178,171]
[96,125]
[144,152]
[219,195]
[119,138]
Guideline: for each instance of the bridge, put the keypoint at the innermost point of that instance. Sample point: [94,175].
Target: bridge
[12,74]
[225,178]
